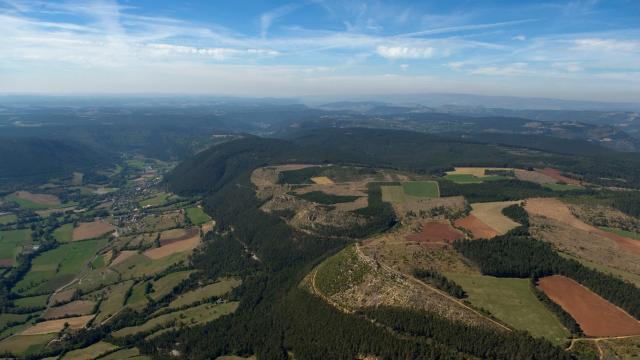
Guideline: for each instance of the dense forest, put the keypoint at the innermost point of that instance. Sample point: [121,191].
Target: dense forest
[274,316]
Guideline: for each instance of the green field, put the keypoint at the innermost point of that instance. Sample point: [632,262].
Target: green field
[409,191]
[12,242]
[216,289]
[140,265]
[131,354]
[163,286]
[197,216]
[6,319]
[8,219]
[625,233]
[512,301]
[156,200]
[113,300]
[138,299]
[188,317]
[427,189]
[562,187]
[39,301]
[90,352]
[470,179]
[25,344]
[27,204]
[63,233]
[56,267]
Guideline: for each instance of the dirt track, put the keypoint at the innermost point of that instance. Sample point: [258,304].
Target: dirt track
[596,316]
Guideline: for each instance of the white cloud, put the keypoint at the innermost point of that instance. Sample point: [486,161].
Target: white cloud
[404,67]
[402,52]
[506,70]
[269,17]
[567,66]
[519,38]
[609,45]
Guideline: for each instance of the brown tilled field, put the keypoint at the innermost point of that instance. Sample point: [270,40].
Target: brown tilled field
[54,326]
[478,229]
[43,199]
[557,175]
[597,317]
[74,308]
[175,235]
[534,176]
[436,232]
[557,210]
[174,247]
[490,213]
[91,230]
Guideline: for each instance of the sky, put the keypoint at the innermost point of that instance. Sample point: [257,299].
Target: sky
[574,49]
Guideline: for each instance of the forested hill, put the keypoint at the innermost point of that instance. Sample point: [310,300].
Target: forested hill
[422,153]
[33,159]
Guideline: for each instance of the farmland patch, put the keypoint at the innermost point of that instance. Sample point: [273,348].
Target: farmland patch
[91,230]
[476,227]
[436,233]
[55,326]
[596,316]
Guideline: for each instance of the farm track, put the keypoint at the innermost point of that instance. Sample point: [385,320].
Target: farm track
[597,342]
[368,259]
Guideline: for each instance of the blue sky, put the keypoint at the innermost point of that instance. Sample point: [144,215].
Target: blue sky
[576,49]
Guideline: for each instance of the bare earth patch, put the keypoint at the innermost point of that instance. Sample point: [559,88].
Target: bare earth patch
[174,247]
[534,177]
[596,316]
[475,171]
[42,199]
[478,229]
[54,326]
[437,233]
[91,230]
[557,175]
[559,211]
[322,180]
[490,213]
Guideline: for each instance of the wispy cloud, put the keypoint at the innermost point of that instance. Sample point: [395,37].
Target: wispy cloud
[267,19]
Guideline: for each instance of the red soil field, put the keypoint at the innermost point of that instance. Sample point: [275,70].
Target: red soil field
[435,232]
[479,229]
[554,173]
[596,316]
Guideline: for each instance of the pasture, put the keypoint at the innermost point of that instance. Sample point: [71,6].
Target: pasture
[140,265]
[163,286]
[197,216]
[113,300]
[91,352]
[597,317]
[12,243]
[476,175]
[174,247]
[428,189]
[7,219]
[64,233]
[216,289]
[56,267]
[25,344]
[512,301]
[557,175]
[39,301]
[156,200]
[188,317]
[563,187]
